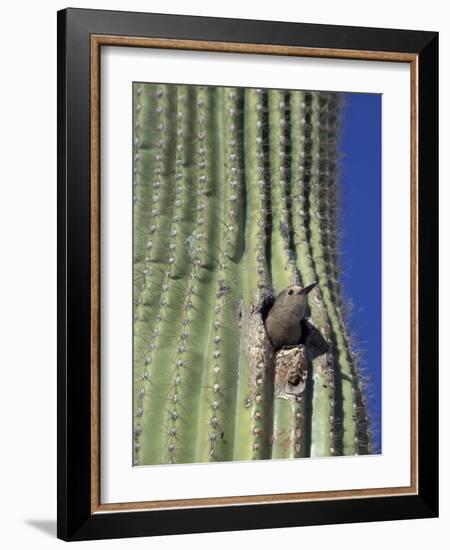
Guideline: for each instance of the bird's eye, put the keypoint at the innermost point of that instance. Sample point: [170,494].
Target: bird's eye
[291,292]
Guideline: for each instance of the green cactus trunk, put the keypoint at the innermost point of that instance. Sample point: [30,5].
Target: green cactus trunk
[234,200]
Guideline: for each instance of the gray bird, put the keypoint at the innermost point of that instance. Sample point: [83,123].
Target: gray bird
[283,322]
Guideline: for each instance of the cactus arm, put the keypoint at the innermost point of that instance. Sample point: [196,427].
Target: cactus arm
[253,423]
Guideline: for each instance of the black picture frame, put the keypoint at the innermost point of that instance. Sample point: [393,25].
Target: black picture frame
[76,521]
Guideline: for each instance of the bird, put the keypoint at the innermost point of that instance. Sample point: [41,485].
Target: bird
[283,321]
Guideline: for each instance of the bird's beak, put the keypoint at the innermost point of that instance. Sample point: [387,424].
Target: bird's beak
[308,288]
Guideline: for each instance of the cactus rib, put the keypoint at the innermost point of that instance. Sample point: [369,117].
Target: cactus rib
[255,386]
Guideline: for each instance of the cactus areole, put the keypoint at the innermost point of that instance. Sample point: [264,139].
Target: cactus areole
[241,349]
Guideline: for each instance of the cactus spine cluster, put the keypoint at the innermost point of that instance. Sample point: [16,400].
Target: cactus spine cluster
[235,199]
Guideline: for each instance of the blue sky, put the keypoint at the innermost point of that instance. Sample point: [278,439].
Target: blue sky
[360,181]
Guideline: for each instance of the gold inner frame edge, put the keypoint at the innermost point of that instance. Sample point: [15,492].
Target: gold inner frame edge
[97,41]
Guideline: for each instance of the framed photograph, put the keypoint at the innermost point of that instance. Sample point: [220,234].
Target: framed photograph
[247,274]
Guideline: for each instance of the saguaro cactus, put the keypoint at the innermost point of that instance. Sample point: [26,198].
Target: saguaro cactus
[234,200]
